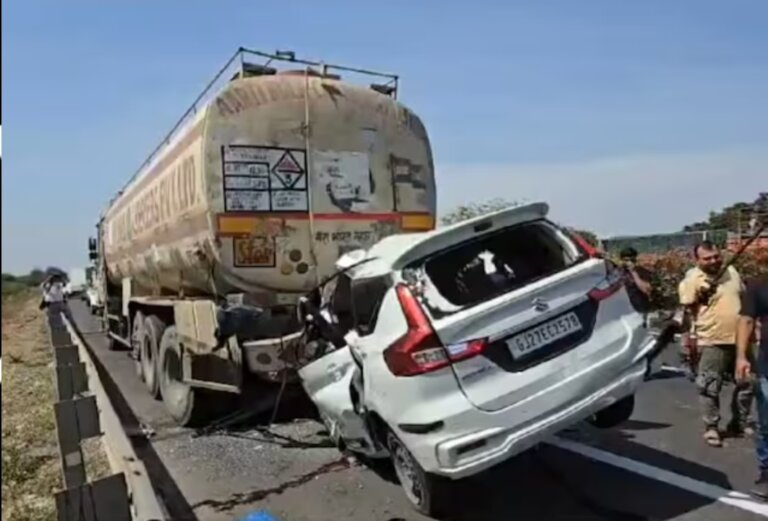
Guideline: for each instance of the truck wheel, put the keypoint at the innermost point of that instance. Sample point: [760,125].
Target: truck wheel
[137,333]
[425,491]
[615,414]
[188,406]
[150,348]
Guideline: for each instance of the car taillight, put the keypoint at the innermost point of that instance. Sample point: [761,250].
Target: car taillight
[588,249]
[609,285]
[420,350]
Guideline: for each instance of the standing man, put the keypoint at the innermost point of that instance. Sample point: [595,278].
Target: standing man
[637,281]
[755,308]
[54,290]
[714,301]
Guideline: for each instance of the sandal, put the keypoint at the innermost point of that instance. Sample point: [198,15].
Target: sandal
[712,437]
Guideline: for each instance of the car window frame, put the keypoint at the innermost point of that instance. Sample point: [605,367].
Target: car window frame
[569,246]
[387,281]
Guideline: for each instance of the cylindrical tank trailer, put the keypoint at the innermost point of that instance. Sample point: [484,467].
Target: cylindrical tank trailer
[252,198]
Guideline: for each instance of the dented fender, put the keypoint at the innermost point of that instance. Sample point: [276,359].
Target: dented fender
[328,381]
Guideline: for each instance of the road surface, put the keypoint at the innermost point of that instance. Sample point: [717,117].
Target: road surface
[294,475]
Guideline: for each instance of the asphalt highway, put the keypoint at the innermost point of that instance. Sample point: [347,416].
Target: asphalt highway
[654,468]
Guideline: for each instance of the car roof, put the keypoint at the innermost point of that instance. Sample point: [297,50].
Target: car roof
[394,252]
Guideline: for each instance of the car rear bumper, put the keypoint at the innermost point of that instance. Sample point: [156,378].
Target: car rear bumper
[488,438]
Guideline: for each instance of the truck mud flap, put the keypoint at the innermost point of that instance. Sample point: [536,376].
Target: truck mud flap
[209,371]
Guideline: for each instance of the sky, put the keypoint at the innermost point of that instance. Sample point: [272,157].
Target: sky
[627,117]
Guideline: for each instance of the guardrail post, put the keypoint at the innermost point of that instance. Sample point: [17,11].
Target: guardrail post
[71,380]
[78,419]
[100,500]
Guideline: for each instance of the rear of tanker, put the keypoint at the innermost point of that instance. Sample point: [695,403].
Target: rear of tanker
[244,208]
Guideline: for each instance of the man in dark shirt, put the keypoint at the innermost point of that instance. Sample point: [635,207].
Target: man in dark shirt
[754,308]
[637,281]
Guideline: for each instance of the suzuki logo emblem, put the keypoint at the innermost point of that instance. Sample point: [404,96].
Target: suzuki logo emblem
[539,304]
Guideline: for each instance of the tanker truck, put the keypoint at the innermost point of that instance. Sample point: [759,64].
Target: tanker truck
[280,167]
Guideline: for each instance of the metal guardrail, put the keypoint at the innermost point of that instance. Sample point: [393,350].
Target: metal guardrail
[83,410]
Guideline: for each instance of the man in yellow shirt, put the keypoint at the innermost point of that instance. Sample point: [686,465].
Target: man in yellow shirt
[714,306]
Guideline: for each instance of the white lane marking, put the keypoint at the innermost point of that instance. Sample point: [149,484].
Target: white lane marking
[725,496]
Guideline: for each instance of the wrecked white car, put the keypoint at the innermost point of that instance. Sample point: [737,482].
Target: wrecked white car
[453,350]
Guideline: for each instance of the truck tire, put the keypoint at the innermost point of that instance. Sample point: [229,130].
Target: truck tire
[137,333]
[150,349]
[190,407]
[615,414]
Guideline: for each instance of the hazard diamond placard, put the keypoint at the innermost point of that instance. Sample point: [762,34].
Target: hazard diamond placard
[287,170]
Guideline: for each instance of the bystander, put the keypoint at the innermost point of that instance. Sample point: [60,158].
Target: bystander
[755,309]
[713,297]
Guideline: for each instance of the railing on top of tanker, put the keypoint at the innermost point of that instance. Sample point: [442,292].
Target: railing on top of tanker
[244,69]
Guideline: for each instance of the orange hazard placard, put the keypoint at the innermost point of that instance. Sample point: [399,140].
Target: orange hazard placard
[254,252]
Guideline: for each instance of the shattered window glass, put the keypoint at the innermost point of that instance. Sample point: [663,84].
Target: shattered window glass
[481,269]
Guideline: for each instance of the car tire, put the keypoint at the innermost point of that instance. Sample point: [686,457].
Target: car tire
[190,407]
[150,350]
[426,492]
[615,414]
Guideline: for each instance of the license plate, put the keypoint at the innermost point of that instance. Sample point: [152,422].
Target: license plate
[525,343]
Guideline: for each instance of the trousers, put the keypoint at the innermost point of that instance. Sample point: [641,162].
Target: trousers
[761,395]
[717,365]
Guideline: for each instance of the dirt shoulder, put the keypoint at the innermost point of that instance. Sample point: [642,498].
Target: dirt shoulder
[31,471]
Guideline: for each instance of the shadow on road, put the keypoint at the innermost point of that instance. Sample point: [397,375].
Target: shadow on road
[620,442]
[640,425]
[551,483]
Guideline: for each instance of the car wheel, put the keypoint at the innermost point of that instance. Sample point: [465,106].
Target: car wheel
[189,407]
[423,490]
[150,349]
[615,414]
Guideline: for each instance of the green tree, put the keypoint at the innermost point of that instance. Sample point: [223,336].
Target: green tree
[734,217]
[35,277]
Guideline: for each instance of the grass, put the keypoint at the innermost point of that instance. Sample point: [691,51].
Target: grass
[13,287]
[31,471]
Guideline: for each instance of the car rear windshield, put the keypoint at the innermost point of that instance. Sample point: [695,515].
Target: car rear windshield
[478,270]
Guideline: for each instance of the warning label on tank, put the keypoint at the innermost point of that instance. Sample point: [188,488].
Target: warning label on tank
[264,179]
